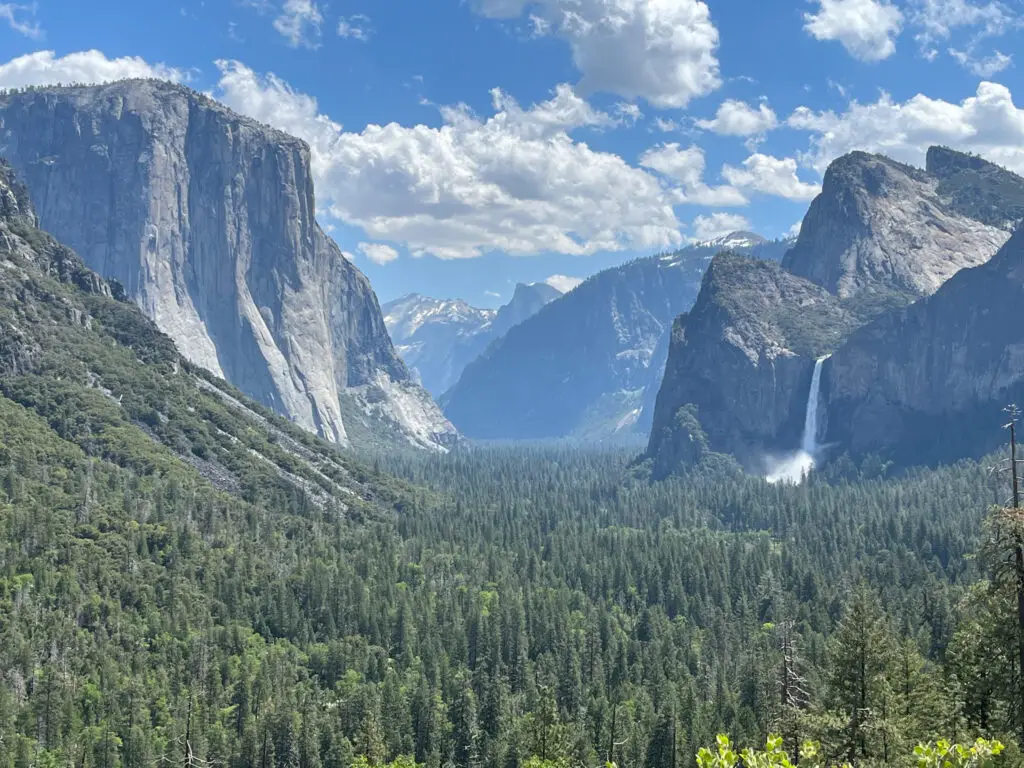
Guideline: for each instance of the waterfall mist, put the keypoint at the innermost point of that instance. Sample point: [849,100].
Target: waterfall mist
[794,467]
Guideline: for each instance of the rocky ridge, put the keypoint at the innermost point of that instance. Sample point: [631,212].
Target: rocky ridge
[84,365]
[928,383]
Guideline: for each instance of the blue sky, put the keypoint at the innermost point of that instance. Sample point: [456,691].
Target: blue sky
[461,146]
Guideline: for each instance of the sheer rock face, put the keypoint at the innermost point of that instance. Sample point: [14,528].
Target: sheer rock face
[928,383]
[880,226]
[879,237]
[740,362]
[208,221]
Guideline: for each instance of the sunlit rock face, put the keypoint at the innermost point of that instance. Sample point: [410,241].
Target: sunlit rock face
[207,219]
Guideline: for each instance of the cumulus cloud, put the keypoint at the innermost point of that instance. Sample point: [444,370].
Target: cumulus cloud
[987,123]
[378,253]
[737,118]
[659,50]
[718,225]
[686,167]
[355,27]
[21,19]
[867,29]
[515,181]
[299,22]
[563,283]
[770,176]
[90,67]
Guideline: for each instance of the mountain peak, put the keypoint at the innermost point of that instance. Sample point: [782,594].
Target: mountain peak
[880,227]
[739,239]
[943,162]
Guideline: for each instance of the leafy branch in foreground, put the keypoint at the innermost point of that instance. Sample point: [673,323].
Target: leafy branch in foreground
[941,754]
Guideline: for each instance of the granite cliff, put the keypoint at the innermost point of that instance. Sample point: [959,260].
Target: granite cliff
[740,362]
[881,227]
[879,240]
[928,383]
[87,380]
[208,220]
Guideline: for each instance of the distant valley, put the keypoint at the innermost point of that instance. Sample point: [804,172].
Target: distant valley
[588,365]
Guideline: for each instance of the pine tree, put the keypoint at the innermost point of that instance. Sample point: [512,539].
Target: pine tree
[859,695]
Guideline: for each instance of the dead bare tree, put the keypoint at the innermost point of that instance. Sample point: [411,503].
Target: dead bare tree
[792,686]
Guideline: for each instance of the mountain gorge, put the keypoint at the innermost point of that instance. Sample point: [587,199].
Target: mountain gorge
[586,364]
[438,338]
[207,220]
[877,248]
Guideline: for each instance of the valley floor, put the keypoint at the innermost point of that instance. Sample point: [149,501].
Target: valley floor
[546,602]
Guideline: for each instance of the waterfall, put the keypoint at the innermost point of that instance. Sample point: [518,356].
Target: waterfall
[795,466]
[809,445]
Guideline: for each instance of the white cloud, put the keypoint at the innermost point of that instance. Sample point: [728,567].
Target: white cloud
[717,225]
[515,181]
[867,29]
[659,50]
[300,22]
[628,114]
[736,118]
[563,283]
[794,231]
[378,253]
[89,67]
[984,67]
[355,27]
[21,19]
[987,123]
[686,167]
[666,125]
[771,176]
[938,18]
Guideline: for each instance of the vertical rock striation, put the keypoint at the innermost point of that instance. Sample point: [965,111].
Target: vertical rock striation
[208,220]
[928,383]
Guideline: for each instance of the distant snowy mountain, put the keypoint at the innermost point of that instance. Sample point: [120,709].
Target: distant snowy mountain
[438,338]
[589,365]
[734,241]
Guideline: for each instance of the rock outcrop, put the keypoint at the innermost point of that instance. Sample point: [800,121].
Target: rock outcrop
[740,363]
[438,338]
[584,365]
[881,227]
[928,383]
[879,237]
[208,220]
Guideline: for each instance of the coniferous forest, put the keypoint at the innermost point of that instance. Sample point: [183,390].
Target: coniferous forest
[502,606]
